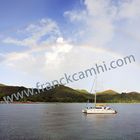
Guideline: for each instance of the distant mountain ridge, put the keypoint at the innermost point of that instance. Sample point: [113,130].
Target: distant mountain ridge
[65,94]
[2,84]
[107,92]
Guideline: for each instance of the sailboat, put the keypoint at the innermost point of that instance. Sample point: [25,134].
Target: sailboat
[98,109]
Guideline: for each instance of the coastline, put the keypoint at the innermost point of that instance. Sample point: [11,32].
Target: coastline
[66,103]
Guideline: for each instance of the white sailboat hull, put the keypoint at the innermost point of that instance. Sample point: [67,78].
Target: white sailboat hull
[95,111]
[99,111]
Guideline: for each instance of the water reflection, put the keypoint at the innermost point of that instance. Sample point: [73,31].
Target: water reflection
[66,121]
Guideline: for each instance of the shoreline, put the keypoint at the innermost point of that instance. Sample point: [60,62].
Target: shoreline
[65,103]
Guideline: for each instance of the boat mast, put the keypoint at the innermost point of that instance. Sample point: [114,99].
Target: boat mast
[95,83]
[95,99]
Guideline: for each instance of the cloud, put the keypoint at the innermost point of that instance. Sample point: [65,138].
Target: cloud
[54,53]
[35,32]
[2,57]
[39,60]
[49,53]
[130,9]
[39,39]
[97,21]
[75,16]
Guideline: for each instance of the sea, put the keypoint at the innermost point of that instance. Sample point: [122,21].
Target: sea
[65,121]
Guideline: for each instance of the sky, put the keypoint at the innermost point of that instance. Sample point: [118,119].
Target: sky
[40,40]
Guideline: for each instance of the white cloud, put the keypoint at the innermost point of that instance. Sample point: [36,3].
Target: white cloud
[108,24]
[57,55]
[35,32]
[49,58]
[97,21]
[97,27]
[75,16]
[130,9]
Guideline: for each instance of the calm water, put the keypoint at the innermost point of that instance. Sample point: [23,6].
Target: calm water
[66,122]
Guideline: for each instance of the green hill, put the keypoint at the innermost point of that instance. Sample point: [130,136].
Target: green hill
[65,94]
[58,94]
[82,90]
[61,94]
[108,92]
[2,85]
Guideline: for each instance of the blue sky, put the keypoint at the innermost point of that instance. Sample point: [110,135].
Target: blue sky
[40,40]
[17,13]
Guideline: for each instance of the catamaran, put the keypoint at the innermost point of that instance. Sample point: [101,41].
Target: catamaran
[98,109]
